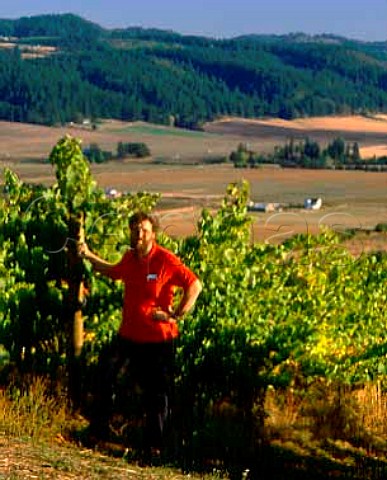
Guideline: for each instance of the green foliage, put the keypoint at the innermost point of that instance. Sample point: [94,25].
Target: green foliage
[240,158]
[134,149]
[308,154]
[72,171]
[62,26]
[381,227]
[35,236]
[156,76]
[32,294]
[279,314]
[268,314]
[95,154]
[336,149]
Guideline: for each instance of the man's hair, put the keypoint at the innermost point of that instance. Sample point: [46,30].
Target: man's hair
[140,216]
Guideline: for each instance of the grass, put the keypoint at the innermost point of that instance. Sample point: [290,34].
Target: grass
[330,430]
[30,411]
[37,440]
[322,432]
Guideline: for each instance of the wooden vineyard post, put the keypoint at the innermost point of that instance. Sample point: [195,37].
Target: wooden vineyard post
[76,300]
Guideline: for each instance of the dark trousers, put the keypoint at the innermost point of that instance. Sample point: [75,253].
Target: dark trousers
[150,365]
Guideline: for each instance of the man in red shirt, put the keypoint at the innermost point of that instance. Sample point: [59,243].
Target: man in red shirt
[151,275]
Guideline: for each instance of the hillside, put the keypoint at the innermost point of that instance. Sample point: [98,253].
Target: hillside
[25,143]
[60,68]
[369,131]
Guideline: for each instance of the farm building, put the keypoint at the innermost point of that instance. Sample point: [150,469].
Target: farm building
[312,203]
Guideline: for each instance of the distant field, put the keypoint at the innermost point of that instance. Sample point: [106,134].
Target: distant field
[350,199]
[24,141]
[144,129]
[370,132]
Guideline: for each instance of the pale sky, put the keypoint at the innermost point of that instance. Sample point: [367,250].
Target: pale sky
[358,19]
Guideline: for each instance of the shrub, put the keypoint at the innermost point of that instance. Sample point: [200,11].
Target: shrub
[136,149]
[381,227]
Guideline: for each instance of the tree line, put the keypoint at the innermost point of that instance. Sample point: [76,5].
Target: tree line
[308,153]
[167,78]
[95,154]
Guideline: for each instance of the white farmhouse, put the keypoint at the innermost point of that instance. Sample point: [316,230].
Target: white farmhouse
[312,203]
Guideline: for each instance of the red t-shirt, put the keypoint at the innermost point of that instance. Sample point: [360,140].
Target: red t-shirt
[150,282]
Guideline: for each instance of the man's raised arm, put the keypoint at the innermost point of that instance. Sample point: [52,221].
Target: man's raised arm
[99,264]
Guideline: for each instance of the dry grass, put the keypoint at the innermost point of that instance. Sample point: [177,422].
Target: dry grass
[329,432]
[325,431]
[35,429]
[29,410]
[330,412]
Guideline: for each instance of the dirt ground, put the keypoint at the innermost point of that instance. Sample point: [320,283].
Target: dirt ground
[354,199]
[23,459]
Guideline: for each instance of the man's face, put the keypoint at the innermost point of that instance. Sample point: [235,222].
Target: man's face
[142,237]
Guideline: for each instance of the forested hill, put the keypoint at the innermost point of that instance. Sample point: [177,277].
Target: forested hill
[60,68]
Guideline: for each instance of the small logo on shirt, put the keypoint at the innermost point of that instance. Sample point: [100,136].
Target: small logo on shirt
[151,277]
